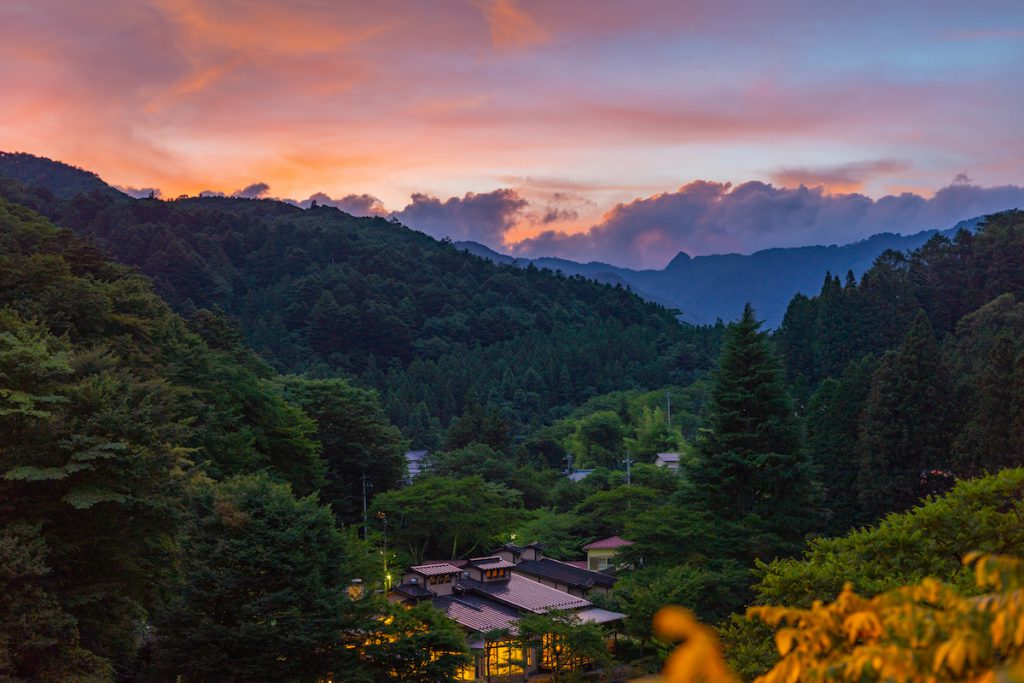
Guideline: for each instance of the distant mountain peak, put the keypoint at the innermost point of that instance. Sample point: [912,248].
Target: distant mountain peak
[706,288]
[681,259]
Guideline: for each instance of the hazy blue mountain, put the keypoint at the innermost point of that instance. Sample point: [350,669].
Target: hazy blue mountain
[702,288]
[705,288]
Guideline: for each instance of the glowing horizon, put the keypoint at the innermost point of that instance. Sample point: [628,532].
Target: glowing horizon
[558,118]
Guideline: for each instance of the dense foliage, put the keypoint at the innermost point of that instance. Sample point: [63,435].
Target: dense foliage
[133,532]
[169,504]
[440,518]
[928,631]
[904,548]
[264,587]
[430,327]
[912,376]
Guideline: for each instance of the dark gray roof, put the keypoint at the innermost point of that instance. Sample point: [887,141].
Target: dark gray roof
[546,568]
[511,546]
[413,590]
[477,613]
[522,593]
[520,548]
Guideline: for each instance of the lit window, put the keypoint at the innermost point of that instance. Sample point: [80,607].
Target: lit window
[504,659]
[466,672]
[554,652]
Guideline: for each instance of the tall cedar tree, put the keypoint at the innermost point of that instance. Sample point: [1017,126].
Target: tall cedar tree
[751,474]
[907,425]
[833,421]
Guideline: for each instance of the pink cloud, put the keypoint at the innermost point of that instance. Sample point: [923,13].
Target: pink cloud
[394,97]
[842,178]
[706,217]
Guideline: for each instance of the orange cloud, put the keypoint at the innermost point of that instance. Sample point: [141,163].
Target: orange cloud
[511,27]
[398,97]
[843,178]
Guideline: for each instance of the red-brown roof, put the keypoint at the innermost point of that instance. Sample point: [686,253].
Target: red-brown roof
[459,564]
[477,613]
[435,569]
[490,563]
[524,594]
[608,544]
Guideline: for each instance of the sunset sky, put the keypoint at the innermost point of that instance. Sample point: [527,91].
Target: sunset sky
[619,131]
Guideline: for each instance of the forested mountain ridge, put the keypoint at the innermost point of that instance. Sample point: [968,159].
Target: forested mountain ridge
[164,493]
[235,414]
[62,180]
[432,328]
[165,500]
[914,375]
[706,288]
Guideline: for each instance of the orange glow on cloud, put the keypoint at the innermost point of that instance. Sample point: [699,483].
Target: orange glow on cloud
[577,106]
[510,25]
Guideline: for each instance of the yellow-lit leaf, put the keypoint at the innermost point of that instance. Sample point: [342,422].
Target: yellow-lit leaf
[784,640]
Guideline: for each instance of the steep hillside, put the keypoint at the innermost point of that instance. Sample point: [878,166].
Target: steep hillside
[62,180]
[915,374]
[435,330]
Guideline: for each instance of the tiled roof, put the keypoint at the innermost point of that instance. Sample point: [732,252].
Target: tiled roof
[413,590]
[490,563]
[478,613]
[458,564]
[435,569]
[563,572]
[516,548]
[579,564]
[511,546]
[608,544]
[521,593]
[668,457]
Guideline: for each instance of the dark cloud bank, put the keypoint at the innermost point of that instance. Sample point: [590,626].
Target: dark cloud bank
[706,218]
[702,217]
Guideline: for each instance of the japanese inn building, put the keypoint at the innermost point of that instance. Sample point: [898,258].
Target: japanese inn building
[488,595]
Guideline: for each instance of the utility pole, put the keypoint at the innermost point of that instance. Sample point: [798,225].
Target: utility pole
[382,516]
[568,463]
[629,461]
[668,399]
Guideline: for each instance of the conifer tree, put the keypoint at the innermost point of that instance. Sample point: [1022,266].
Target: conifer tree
[795,336]
[832,423]
[993,437]
[907,425]
[750,474]
[832,329]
